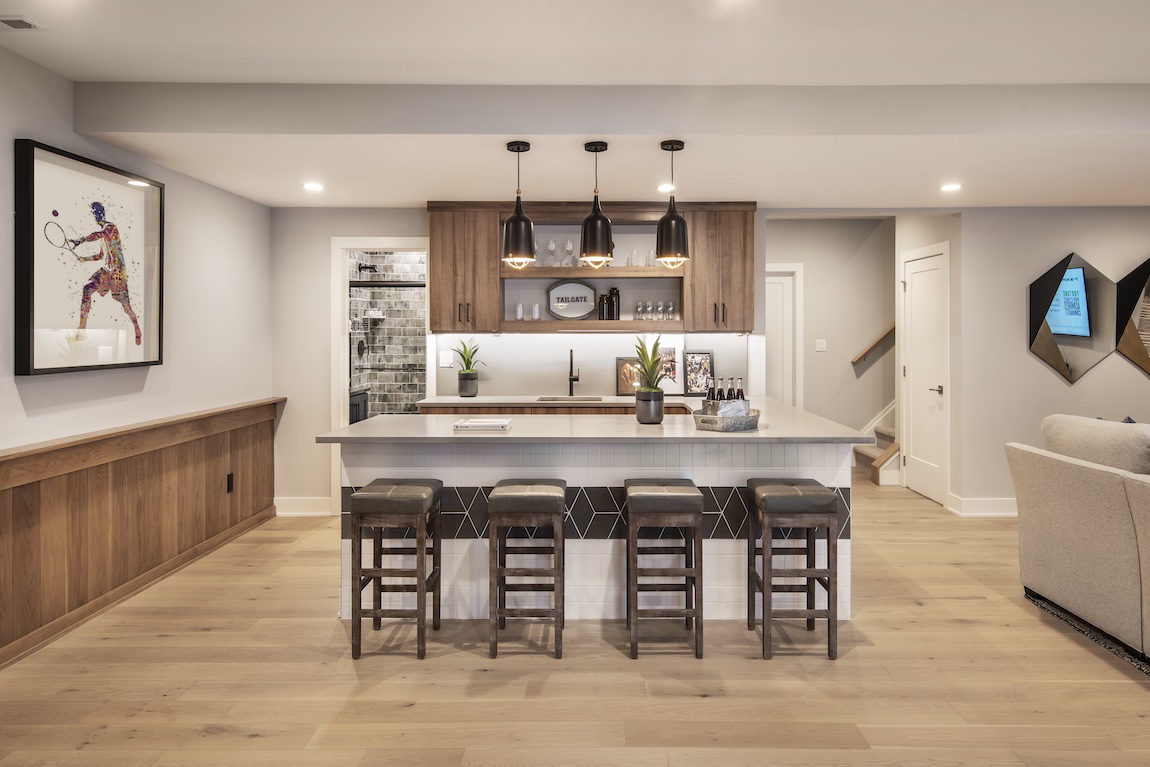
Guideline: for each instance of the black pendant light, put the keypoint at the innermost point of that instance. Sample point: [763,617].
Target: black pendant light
[671,233]
[518,231]
[597,245]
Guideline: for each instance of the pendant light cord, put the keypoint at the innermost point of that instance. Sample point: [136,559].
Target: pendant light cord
[518,188]
[596,173]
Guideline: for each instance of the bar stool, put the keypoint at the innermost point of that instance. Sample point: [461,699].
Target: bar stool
[796,503]
[394,504]
[539,503]
[665,503]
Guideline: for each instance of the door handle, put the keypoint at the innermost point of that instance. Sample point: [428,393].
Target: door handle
[939,389]
[724,312]
[716,313]
[468,312]
[459,313]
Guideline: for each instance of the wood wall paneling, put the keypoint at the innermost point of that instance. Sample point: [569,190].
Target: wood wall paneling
[106,514]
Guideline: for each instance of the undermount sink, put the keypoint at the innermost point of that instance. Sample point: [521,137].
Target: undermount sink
[569,399]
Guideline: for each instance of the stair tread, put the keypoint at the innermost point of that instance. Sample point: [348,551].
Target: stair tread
[889,432]
[871,451]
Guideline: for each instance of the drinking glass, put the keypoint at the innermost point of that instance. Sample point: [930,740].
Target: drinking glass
[638,310]
[670,310]
[662,311]
[650,311]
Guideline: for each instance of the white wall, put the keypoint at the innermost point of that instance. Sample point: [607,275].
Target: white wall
[538,364]
[849,302]
[217,298]
[1006,390]
[302,317]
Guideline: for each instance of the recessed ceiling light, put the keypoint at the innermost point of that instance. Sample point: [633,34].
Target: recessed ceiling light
[950,187]
[666,188]
[134,182]
[313,186]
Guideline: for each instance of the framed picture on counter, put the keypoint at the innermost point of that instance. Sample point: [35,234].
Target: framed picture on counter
[699,366]
[626,376]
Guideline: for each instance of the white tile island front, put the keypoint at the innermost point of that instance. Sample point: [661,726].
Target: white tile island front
[595,454]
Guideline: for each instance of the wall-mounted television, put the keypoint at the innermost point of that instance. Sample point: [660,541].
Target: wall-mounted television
[1069,314]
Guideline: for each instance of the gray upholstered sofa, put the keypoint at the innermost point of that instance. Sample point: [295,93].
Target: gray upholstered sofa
[1084,522]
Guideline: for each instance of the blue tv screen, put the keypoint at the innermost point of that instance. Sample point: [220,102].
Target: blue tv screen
[1069,314]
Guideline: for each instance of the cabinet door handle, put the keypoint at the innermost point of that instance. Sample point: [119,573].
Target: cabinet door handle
[716,313]
[724,312]
[468,312]
[459,313]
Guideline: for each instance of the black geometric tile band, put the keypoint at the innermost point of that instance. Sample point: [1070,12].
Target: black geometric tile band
[597,513]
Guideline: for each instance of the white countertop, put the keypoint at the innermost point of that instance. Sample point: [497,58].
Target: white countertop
[778,423]
[530,400]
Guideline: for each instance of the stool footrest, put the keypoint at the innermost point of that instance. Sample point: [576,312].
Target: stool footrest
[525,572]
[390,612]
[388,572]
[404,550]
[526,612]
[529,550]
[662,550]
[529,587]
[666,612]
[667,572]
[800,572]
[798,613]
[664,587]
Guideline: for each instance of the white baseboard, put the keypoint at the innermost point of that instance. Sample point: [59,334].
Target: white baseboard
[982,507]
[303,507]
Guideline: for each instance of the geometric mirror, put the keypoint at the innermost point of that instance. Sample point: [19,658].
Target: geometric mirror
[1072,317]
[1134,316]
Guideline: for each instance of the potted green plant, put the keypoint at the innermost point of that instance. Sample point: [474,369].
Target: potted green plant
[468,374]
[648,396]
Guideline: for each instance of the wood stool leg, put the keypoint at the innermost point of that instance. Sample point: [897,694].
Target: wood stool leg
[812,583]
[356,587]
[688,563]
[436,568]
[559,595]
[752,571]
[376,583]
[698,588]
[633,587]
[493,589]
[502,580]
[421,588]
[833,591]
[768,581]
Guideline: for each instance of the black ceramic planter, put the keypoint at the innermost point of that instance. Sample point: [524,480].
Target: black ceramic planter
[468,384]
[649,406]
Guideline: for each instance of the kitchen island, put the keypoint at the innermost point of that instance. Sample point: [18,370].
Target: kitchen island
[511,404]
[595,454]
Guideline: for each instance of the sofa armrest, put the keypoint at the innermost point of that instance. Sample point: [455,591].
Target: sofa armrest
[1076,540]
[1138,494]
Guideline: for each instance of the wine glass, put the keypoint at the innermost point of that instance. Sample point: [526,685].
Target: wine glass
[551,248]
[650,258]
[634,260]
[569,249]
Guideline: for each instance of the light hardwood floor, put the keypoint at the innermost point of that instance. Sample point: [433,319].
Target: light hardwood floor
[239,660]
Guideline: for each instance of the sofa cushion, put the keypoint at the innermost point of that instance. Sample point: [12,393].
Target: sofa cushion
[1119,445]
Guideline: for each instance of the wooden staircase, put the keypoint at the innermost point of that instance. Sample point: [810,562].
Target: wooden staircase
[881,459]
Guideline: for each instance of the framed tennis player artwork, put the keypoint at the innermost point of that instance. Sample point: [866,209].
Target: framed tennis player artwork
[89,264]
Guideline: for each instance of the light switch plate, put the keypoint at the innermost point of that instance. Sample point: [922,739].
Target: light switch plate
[820,345]
[445,360]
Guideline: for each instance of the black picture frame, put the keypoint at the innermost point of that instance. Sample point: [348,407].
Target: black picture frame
[89,262]
[698,366]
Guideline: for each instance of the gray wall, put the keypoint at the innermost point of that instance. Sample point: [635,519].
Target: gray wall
[1006,390]
[302,311]
[217,300]
[848,274]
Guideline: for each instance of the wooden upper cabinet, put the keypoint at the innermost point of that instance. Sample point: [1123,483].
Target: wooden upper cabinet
[718,287]
[463,271]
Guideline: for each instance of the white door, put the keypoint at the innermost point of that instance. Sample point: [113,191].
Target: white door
[925,330]
[782,302]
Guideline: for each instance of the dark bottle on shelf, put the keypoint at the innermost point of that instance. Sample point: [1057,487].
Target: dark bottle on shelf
[720,395]
[739,389]
[613,303]
[731,388]
[711,388]
[604,307]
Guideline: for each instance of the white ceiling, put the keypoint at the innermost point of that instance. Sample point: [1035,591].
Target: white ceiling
[1086,146]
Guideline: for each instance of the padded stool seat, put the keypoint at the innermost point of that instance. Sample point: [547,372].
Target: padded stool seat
[396,504]
[801,504]
[537,503]
[664,503]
